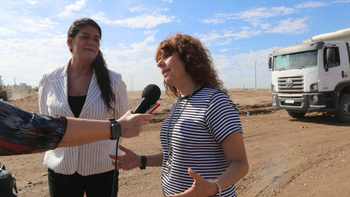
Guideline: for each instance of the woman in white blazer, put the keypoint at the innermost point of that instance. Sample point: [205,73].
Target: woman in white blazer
[83,88]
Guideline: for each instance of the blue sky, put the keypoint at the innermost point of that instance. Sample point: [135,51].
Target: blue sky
[239,34]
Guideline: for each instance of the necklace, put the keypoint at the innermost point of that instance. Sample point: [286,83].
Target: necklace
[168,137]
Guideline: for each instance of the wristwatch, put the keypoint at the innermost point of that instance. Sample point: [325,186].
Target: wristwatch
[143,162]
[116,129]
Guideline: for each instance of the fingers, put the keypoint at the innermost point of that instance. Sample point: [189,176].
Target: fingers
[119,165]
[122,148]
[113,163]
[193,174]
[147,117]
[112,156]
[132,123]
[142,117]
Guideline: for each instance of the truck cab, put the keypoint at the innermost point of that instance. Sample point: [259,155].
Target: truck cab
[313,76]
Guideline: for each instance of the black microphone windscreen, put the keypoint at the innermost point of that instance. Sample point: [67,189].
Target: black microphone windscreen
[151,92]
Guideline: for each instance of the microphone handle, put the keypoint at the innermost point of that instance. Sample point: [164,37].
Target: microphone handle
[143,106]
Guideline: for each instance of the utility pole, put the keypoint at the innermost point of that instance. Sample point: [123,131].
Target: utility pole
[123,64]
[255,73]
[132,82]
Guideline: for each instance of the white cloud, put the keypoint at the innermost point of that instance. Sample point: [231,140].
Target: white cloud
[259,13]
[287,26]
[137,9]
[163,9]
[143,9]
[27,59]
[214,21]
[311,4]
[259,22]
[7,32]
[140,45]
[142,21]
[290,26]
[245,33]
[253,14]
[150,32]
[33,25]
[32,2]
[341,1]
[223,42]
[25,25]
[136,63]
[170,1]
[224,50]
[72,7]
[46,21]
[239,70]
[208,37]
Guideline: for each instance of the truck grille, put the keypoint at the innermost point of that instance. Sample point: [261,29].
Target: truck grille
[291,84]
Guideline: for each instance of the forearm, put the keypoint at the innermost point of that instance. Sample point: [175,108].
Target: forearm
[236,158]
[235,172]
[232,175]
[154,160]
[83,131]
[23,132]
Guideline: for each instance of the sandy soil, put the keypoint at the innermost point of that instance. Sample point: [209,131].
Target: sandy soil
[287,157]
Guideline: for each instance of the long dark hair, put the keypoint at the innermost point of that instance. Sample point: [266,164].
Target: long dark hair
[197,59]
[99,63]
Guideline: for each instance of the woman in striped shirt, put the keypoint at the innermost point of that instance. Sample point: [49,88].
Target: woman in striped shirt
[203,150]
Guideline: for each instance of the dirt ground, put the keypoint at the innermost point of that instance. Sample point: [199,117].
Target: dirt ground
[287,157]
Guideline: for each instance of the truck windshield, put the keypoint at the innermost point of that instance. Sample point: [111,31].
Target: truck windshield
[302,60]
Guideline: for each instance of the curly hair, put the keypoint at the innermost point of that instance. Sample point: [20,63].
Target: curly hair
[197,60]
[99,64]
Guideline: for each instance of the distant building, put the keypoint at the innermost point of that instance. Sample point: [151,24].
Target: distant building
[22,87]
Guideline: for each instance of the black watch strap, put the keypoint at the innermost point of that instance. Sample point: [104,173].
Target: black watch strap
[143,162]
[115,129]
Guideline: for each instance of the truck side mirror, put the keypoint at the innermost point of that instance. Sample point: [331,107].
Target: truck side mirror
[326,66]
[330,58]
[330,55]
[270,62]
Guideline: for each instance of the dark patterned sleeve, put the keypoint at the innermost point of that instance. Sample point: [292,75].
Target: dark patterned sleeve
[24,132]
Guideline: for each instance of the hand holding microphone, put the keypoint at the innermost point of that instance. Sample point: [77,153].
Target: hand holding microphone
[150,96]
[132,121]
[148,104]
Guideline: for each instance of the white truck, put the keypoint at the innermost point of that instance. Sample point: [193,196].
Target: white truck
[313,76]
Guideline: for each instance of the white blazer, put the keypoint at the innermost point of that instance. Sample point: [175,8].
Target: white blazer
[90,158]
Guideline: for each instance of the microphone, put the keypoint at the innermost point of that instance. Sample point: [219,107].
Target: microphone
[150,96]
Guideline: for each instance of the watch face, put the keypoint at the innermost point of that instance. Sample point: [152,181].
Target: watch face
[116,130]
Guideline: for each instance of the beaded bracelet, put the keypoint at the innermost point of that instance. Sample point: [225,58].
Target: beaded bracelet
[219,188]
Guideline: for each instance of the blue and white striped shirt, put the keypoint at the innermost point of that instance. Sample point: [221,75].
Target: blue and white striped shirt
[208,118]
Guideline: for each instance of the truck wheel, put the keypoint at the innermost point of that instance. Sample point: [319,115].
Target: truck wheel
[296,114]
[4,94]
[344,109]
